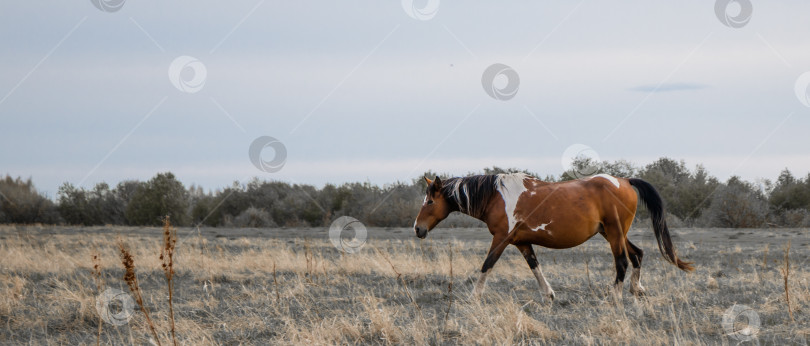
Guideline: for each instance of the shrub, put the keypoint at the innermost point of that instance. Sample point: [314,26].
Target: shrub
[161,196]
[74,207]
[737,205]
[793,218]
[790,193]
[21,203]
[99,206]
[203,211]
[253,217]
[686,194]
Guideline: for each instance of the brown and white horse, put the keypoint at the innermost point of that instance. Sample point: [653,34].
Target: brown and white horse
[522,210]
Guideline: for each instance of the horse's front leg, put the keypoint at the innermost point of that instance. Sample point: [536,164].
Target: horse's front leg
[499,243]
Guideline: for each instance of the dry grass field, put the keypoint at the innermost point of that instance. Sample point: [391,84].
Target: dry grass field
[291,286]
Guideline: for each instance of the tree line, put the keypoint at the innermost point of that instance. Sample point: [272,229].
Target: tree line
[692,197]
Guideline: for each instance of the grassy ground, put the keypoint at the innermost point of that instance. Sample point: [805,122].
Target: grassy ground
[293,286]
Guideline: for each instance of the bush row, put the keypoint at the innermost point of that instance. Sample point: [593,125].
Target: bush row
[692,197]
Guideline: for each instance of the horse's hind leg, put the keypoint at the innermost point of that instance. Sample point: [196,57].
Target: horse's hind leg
[635,255]
[615,236]
[531,259]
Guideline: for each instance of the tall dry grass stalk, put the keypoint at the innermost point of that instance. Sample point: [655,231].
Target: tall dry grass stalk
[206,253]
[587,269]
[786,274]
[97,275]
[309,258]
[167,257]
[275,282]
[449,287]
[132,282]
[404,285]
[765,257]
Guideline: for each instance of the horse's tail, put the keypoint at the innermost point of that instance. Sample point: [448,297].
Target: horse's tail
[655,205]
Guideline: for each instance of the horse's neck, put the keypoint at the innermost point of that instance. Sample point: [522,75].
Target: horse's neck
[483,215]
[490,205]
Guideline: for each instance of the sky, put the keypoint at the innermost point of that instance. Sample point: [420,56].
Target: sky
[382,91]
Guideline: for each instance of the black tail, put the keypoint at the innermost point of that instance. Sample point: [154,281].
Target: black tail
[655,205]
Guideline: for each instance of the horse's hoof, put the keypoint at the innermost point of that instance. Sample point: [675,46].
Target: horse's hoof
[550,296]
[617,293]
[637,290]
[638,293]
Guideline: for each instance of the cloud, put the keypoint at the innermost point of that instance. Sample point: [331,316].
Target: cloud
[667,87]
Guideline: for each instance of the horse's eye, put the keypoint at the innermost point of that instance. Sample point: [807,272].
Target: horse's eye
[430,202]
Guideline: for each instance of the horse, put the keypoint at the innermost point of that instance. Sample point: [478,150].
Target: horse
[523,211]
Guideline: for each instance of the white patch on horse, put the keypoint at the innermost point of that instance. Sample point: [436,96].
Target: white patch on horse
[610,178]
[467,193]
[425,200]
[541,280]
[456,186]
[457,189]
[479,286]
[543,227]
[635,281]
[510,186]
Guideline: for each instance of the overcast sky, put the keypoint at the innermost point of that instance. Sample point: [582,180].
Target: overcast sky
[382,91]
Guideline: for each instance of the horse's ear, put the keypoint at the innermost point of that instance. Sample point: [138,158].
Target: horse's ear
[438,182]
[428,181]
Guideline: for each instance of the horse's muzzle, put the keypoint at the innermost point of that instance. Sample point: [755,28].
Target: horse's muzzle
[421,232]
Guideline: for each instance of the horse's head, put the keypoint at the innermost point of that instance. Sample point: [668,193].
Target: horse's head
[435,208]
